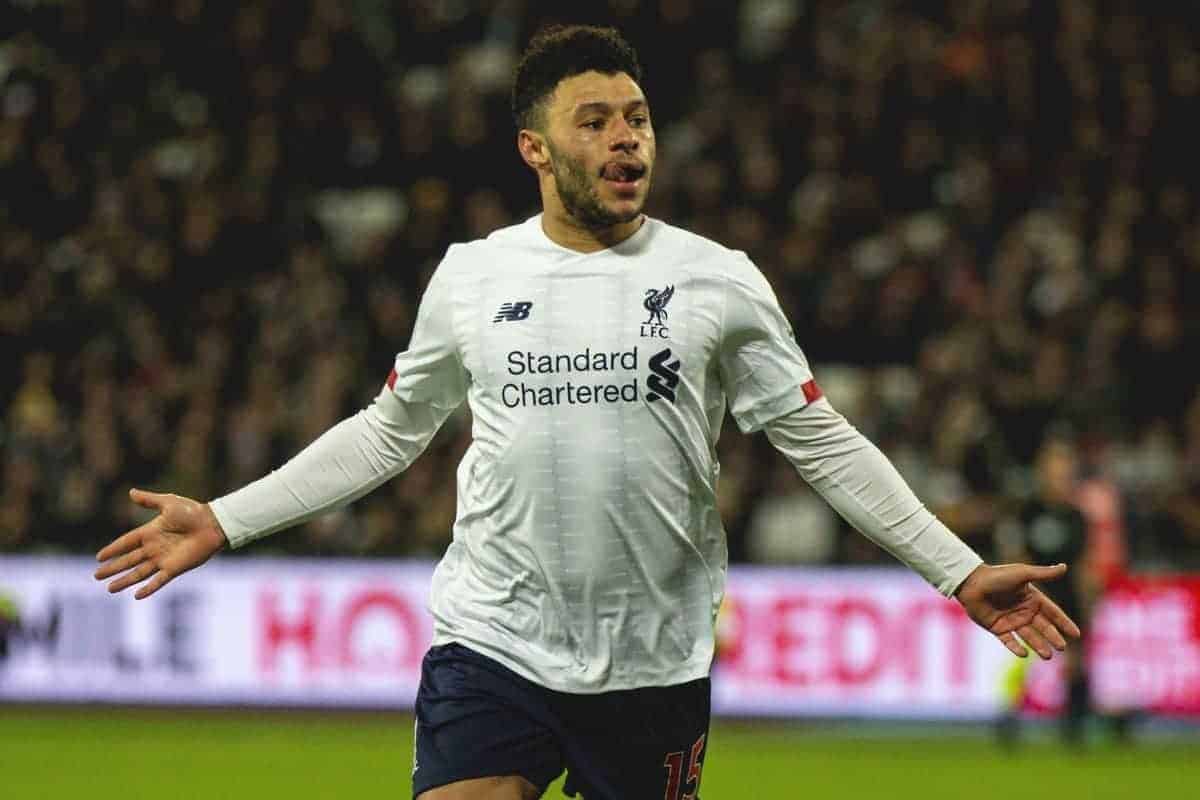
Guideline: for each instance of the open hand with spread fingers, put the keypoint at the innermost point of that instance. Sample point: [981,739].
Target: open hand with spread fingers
[1003,599]
[183,536]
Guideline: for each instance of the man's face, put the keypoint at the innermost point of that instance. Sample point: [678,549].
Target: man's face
[1057,470]
[601,146]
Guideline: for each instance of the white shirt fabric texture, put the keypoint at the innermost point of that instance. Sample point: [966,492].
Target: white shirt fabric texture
[587,552]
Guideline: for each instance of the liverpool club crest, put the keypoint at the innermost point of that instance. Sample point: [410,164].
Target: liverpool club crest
[655,326]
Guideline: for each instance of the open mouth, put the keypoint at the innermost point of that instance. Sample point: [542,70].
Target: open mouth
[623,174]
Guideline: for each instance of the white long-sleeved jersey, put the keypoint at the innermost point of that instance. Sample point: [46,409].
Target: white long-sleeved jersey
[588,554]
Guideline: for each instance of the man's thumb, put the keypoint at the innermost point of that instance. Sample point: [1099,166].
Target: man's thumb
[1033,573]
[147,499]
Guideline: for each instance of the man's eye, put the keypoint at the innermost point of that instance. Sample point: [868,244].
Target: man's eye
[639,122]
[594,124]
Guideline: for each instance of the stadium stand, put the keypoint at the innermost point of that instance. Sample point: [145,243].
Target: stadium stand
[218,218]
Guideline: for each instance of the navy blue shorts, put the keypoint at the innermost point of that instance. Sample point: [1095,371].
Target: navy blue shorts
[477,718]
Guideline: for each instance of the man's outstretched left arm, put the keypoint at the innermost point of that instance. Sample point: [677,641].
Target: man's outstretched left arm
[858,481]
[770,386]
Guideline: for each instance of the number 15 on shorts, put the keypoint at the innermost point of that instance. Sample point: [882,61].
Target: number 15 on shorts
[675,777]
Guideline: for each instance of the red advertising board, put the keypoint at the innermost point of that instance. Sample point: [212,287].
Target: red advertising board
[876,642]
[1142,650]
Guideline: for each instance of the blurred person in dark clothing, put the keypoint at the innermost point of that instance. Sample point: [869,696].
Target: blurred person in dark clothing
[1051,529]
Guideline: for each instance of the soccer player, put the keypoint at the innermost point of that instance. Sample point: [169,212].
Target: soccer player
[599,350]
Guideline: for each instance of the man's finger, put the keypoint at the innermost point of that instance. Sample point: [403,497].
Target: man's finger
[153,585]
[148,499]
[135,575]
[1047,629]
[1013,644]
[1058,618]
[1032,637]
[122,544]
[120,564]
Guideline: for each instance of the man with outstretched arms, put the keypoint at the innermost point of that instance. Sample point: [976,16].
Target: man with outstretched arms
[599,350]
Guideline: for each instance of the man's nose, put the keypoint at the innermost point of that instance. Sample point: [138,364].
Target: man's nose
[623,137]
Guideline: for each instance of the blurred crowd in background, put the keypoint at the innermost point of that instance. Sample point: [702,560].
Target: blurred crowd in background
[981,218]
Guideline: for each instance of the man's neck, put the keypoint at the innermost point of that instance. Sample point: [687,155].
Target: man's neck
[566,232]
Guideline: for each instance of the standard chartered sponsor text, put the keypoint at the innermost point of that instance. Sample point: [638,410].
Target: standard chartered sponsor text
[598,364]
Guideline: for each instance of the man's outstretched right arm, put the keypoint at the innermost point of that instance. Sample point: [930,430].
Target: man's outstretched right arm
[350,459]
[343,464]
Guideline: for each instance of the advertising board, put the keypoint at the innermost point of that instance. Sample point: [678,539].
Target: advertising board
[791,642]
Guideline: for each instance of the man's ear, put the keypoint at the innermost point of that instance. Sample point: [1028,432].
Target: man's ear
[533,149]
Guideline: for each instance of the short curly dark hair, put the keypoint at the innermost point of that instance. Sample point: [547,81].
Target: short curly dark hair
[560,51]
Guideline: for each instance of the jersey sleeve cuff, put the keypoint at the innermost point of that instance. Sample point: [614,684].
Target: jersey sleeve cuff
[958,573]
[235,534]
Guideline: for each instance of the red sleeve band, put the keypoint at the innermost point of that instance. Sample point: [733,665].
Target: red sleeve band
[812,392]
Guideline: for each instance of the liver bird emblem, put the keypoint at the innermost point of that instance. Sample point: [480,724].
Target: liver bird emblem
[656,303]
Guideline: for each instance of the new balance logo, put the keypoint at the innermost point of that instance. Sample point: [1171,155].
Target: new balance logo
[513,312]
[661,384]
